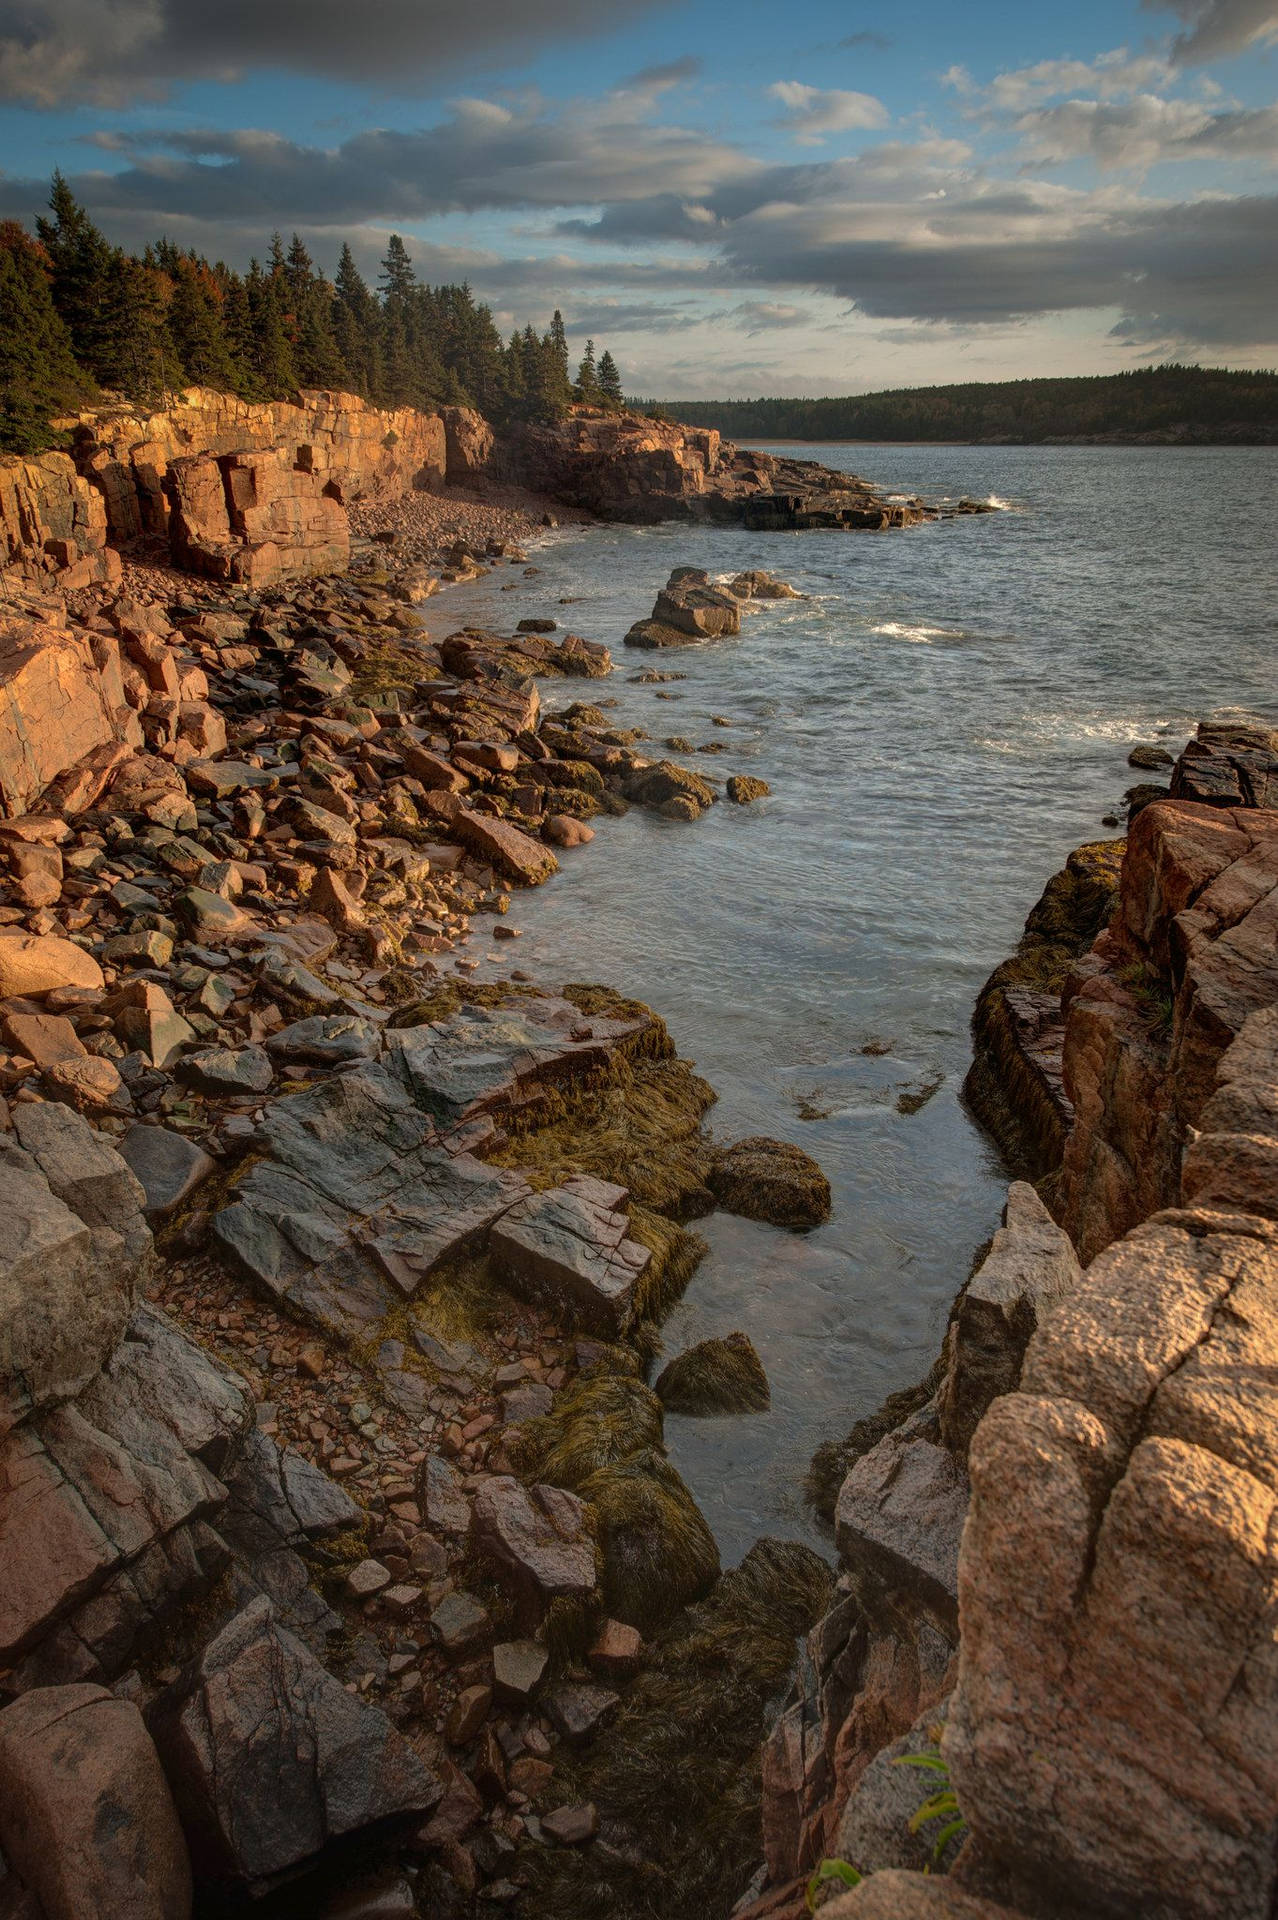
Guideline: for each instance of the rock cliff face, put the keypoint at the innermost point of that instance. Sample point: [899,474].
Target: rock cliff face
[53,526]
[626,467]
[1109,1591]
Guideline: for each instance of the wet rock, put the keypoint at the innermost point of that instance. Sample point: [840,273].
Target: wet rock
[758,585]
[715,1376]
[86,1815]
[1150,759]
[270,1758]
[169,1166]
[511,852]
[1030,1266]
[564,831]
[537,1538]
[771,1180]
[743,788]
[669,790]
[658,1553]
[571,1244]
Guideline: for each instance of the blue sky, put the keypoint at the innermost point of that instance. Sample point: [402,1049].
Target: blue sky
[735,199]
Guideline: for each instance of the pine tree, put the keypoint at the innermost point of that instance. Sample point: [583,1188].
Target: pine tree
[272,360]
[561,384]
[610,394]
[38,372]
[588,378]
[356,321]
[196,333]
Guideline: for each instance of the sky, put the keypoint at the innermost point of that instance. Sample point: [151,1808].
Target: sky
[735,199]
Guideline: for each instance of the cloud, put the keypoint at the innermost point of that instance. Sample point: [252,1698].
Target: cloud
[663,76]
[767,316]
[1143,132]
[111,52]
[866,42]
[1109,76]
[1220,28]
[812,112]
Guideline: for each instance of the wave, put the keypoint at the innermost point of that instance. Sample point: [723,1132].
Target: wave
[917,635]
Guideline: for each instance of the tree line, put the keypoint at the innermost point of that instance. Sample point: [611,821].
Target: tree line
[79,316]
[1200,404]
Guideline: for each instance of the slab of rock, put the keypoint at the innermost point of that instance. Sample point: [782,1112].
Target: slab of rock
[579,1708]
[270,1758]
[86,1815]
[169,1166]
[33,964]
[900,1514]
[571,1244]
[226,1070]
[771,1180]
[1030,1265]
[460,1622]
[519,1666]
[445,1503]
[511,852]
[325,1039]
[538,1539]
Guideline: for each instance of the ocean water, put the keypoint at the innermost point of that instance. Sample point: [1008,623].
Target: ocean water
[941,720]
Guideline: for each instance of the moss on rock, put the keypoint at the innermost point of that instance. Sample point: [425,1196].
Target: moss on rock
[595,1423]
[658,1553]
[715,1376]
[771,1180]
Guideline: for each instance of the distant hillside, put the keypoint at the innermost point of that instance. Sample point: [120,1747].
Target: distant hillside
[1200,406]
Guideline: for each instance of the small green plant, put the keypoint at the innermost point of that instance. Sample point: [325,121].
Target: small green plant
[941,1805]
[830,1870]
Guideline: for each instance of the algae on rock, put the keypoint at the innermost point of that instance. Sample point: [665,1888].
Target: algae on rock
[715,1376]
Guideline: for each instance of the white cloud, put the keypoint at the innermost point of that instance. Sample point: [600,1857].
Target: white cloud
[1218,29]
[1141,133]
[812,112]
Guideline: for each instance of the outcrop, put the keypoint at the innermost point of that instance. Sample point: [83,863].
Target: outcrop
[1058,1575]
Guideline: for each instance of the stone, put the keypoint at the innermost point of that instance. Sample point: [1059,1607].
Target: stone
[32,965]
[900,1516]
[45,1038]
[331,896]
[571,1243]
[211,920]
[66,1291]
[616,1649]
[898,1895]
[270,1759]
[538,1540]
[460,1622]
[1030,1265]
[86,1815]
[169,1166]
[146,1021]
[1150,759]
[771,1180]
[55,704]
[578,1709]
[669,790]
[696,609]
[1117,1579]
[325,1039]
[145,949]
[716,1376]
[511,852]
[467,1715]
[368,1578]
[225,1070]
[874,1827]
[758,585]
[564,831]
[519,1666]
[445,1504]
[571,1826]
[744,788]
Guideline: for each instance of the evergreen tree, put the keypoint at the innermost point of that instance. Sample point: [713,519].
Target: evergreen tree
[561,385]
[588,378]
[356,321]
[610,394]
[196,333]
[271,361]
[38,372]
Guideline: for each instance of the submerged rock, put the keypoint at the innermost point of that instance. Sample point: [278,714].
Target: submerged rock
[743,788]
[669,790]
[772,1180]
[715,1376]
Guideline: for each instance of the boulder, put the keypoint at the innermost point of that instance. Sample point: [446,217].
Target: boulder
[669,790]
[537,1538]
[715,1376]
[695,608]
[33,964]
[900,1516]
[1030,1265]
[772,1180]
[56,705]
[571,1245]
[743,789]
[658,1553]
[511,852]
[168,1165]
[270,1759]
[86,1815]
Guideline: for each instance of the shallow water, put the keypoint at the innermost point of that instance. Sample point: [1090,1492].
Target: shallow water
[941,721]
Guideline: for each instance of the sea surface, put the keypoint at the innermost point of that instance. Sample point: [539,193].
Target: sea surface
[944,716]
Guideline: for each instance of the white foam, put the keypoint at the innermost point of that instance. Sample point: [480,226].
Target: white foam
[917,635]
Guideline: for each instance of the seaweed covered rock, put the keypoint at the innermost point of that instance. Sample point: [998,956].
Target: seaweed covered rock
[715,1376]
[744,788]
[669,790]
[658,1553]
[594,1424]
[772,1180]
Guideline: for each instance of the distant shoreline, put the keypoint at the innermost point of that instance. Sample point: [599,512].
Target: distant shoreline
[1063,440]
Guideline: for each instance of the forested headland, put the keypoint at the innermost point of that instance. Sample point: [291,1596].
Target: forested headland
[80,317]
[1197,405]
